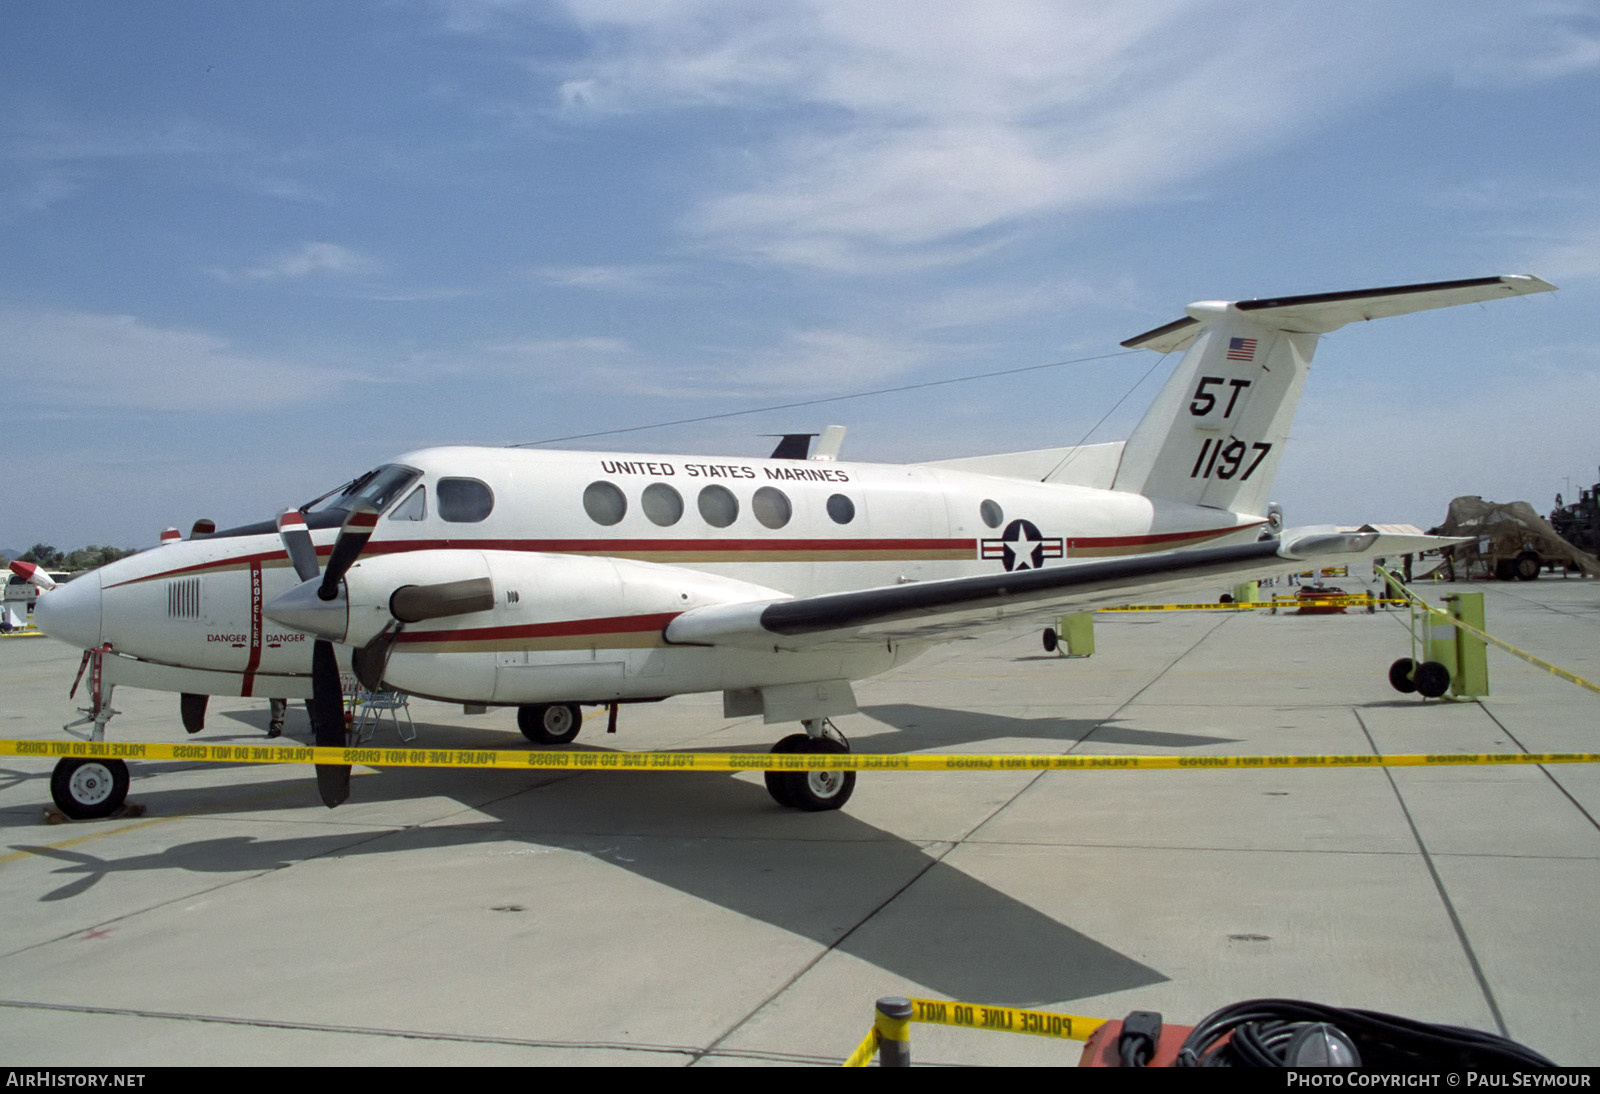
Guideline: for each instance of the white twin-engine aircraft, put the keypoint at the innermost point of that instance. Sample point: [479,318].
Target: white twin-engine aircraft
[546,580]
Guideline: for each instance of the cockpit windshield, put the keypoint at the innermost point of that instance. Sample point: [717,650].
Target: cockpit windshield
[377,488]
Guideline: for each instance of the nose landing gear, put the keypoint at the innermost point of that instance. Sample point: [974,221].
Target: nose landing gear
[86,789]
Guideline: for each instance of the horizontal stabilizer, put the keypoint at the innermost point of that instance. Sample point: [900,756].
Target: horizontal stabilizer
[1319,313]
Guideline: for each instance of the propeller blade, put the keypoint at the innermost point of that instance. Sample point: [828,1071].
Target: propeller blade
[327,722]
[414,603]
[297,544]
[347,548]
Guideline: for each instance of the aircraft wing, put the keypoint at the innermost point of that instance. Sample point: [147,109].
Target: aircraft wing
[937,610]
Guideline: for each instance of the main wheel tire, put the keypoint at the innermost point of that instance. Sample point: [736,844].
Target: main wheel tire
[1400,676]
[819,791]
[778,782]
[1505,569]
[550,723]
[1432,679]
[85,789]
[1528,566]
[1051,640]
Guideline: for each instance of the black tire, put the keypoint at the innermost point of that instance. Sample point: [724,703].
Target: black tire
[1432,679]
[1051,641]
[778,782]
[86,789]
[820,791]
[1528,566]
[550,723]
[1400,674]
[1505,569]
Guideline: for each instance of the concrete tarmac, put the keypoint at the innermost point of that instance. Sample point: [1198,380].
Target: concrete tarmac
[639,918]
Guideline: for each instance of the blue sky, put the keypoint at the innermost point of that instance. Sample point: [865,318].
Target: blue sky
[248,250]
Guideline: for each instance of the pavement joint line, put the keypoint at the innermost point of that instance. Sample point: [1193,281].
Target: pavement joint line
[379,1031]
[1547,772]
[1074,746]
[737,1024]
[1439,887]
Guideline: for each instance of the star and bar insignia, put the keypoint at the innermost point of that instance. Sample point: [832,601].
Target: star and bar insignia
[1022,547]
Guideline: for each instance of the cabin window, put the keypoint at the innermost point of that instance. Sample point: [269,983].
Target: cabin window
[662,504]
[841,509]
[414,507]
[463,501]
[718,506]
[771,507]
[604,502]
[991,513]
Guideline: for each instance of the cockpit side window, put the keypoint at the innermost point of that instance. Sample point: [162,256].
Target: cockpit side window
[415,507]
[463,501]
[377,487]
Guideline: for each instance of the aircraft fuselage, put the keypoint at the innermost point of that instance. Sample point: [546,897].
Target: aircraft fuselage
[590,556]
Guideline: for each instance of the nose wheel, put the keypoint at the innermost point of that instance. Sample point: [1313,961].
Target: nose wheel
[87,789]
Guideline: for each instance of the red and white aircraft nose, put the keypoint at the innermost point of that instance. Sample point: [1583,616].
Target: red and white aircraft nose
[71,613]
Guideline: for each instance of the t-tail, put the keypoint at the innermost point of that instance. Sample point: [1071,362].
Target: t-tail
[1215,434]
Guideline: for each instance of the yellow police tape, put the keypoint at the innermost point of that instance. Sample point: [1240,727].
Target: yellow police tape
[519,759]
[1040,1023]
[865,1051]
[1253,605]
[943,1012]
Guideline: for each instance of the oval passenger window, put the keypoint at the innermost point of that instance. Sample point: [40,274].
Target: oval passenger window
[604,502]
[718,506]
[771,507]
[662,504]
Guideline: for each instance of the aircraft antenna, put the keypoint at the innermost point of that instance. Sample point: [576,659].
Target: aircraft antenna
[828,399]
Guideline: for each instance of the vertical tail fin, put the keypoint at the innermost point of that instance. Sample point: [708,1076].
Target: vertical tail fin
[1215,433]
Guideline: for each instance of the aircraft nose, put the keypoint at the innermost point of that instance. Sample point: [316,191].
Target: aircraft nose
[70,612]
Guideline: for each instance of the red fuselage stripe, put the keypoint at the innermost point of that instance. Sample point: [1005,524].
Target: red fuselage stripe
[620,624]
[679,546]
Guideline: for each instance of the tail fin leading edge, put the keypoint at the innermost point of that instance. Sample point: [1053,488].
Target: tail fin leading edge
[1215,433]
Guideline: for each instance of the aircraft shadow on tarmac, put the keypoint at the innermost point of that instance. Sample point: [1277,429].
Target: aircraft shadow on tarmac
[937,727]
[830,877]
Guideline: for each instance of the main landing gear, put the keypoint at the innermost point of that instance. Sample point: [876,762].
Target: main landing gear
[550,723]
[813,791]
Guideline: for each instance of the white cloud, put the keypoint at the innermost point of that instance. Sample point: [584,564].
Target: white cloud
[309,260]
[817,362]
[70,360]
[907,133]
[616,278]
[1567,254]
